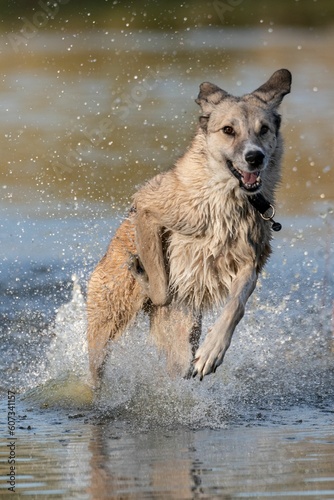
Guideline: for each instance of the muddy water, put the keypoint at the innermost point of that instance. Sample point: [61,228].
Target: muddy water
[85,117]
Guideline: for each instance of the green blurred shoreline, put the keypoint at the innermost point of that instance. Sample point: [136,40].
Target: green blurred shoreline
[171,15]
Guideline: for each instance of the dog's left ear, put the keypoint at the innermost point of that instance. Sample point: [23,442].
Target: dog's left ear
[209,95]
[273,91]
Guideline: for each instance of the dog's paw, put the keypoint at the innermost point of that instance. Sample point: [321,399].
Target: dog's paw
[208,357]
[156,290]
[137,270]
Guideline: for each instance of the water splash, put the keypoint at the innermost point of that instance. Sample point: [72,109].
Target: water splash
[68,350]
[281,356]
[61,379]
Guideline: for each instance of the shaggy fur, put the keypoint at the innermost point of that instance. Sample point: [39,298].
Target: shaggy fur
[193,241]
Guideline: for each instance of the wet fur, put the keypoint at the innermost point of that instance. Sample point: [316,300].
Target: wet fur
[193,241]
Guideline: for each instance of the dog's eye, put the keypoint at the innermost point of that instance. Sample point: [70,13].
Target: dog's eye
[264,129]
[228,130]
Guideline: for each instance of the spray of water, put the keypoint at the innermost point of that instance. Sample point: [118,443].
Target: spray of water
[281,357]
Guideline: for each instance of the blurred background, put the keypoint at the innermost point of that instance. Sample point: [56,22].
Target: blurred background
[95,97]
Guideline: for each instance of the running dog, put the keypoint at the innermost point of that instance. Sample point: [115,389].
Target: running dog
[197,236]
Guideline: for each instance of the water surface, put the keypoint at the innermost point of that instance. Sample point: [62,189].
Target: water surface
[85,118]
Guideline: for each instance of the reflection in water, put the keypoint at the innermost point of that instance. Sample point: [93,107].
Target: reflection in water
[92,458]
[155,468]
[234,463]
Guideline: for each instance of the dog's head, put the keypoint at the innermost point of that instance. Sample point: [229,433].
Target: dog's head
[243,132]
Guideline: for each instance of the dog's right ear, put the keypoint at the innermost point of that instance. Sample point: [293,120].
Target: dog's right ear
[209,95]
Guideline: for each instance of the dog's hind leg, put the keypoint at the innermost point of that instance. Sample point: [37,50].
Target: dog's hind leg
[176,330]
[113,300]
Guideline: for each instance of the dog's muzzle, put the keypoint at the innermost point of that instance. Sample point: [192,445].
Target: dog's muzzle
[249,181]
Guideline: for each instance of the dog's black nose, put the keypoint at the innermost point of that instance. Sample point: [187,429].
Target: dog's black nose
[254,158]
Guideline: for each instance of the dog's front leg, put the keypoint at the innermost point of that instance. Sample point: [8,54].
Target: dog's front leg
[211,353]
[149,247]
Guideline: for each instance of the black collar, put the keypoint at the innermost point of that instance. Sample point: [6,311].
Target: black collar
[262,205]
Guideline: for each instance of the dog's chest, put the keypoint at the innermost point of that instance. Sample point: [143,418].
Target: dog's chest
[202,266]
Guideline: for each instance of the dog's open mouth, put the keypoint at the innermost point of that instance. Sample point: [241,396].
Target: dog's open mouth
[249,181]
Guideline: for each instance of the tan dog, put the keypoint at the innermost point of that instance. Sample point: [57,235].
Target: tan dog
[195,238]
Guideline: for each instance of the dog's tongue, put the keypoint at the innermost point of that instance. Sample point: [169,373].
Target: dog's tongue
[249,177]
